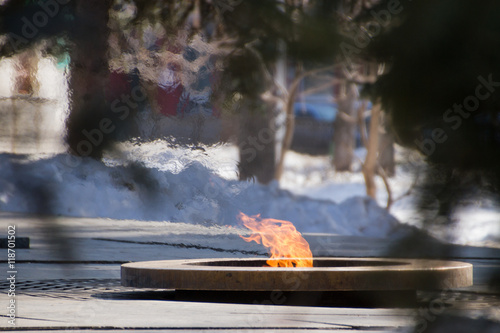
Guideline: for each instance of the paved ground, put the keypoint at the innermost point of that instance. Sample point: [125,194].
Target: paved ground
[74,284]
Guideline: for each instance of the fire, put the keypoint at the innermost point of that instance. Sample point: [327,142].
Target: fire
[282,240]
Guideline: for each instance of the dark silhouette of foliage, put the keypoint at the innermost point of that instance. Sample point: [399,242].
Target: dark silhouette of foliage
[442,93]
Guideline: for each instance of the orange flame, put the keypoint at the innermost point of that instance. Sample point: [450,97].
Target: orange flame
[282,240]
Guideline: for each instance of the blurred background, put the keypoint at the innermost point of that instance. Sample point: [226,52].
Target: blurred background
[355,117]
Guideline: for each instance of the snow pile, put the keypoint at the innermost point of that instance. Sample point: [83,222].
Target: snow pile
[476,222]
[176,185]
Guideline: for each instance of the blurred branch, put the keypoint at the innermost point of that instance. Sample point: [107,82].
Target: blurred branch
[346,117]
[265,70]
[319,88]
[362,123]
[366,142]
[370,166]
[290,117]
[411,188]
[381,172]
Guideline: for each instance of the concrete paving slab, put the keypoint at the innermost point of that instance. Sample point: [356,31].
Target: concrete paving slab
[126,240]
[267,330]
[106,240]
[326,245]
[37,312]
[82,291]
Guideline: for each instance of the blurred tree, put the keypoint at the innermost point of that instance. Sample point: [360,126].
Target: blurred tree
[83,27]
[441,93]
[441,90]
[346,95]
[247,34]
[87,132]
[386,149]
[258,34]
[354,69]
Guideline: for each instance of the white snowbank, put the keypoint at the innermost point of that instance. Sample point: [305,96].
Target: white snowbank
[474,224]
[177,185]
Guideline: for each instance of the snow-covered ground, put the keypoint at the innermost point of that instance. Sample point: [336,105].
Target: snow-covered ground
[153,181]
[474,224]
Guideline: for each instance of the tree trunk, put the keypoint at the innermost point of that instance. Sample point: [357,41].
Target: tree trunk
[284,134]
[89,78]
[257,142]
[344,130]
[371,164]
[386,150]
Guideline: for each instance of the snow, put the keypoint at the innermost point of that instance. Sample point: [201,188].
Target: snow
[159,183]
[156,182]
[473,224]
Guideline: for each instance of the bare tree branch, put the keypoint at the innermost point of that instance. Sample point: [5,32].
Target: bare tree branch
[319,88]
[410,189]
[362,123]
[290,117]
[348,118]
[370,166]
[383,175]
